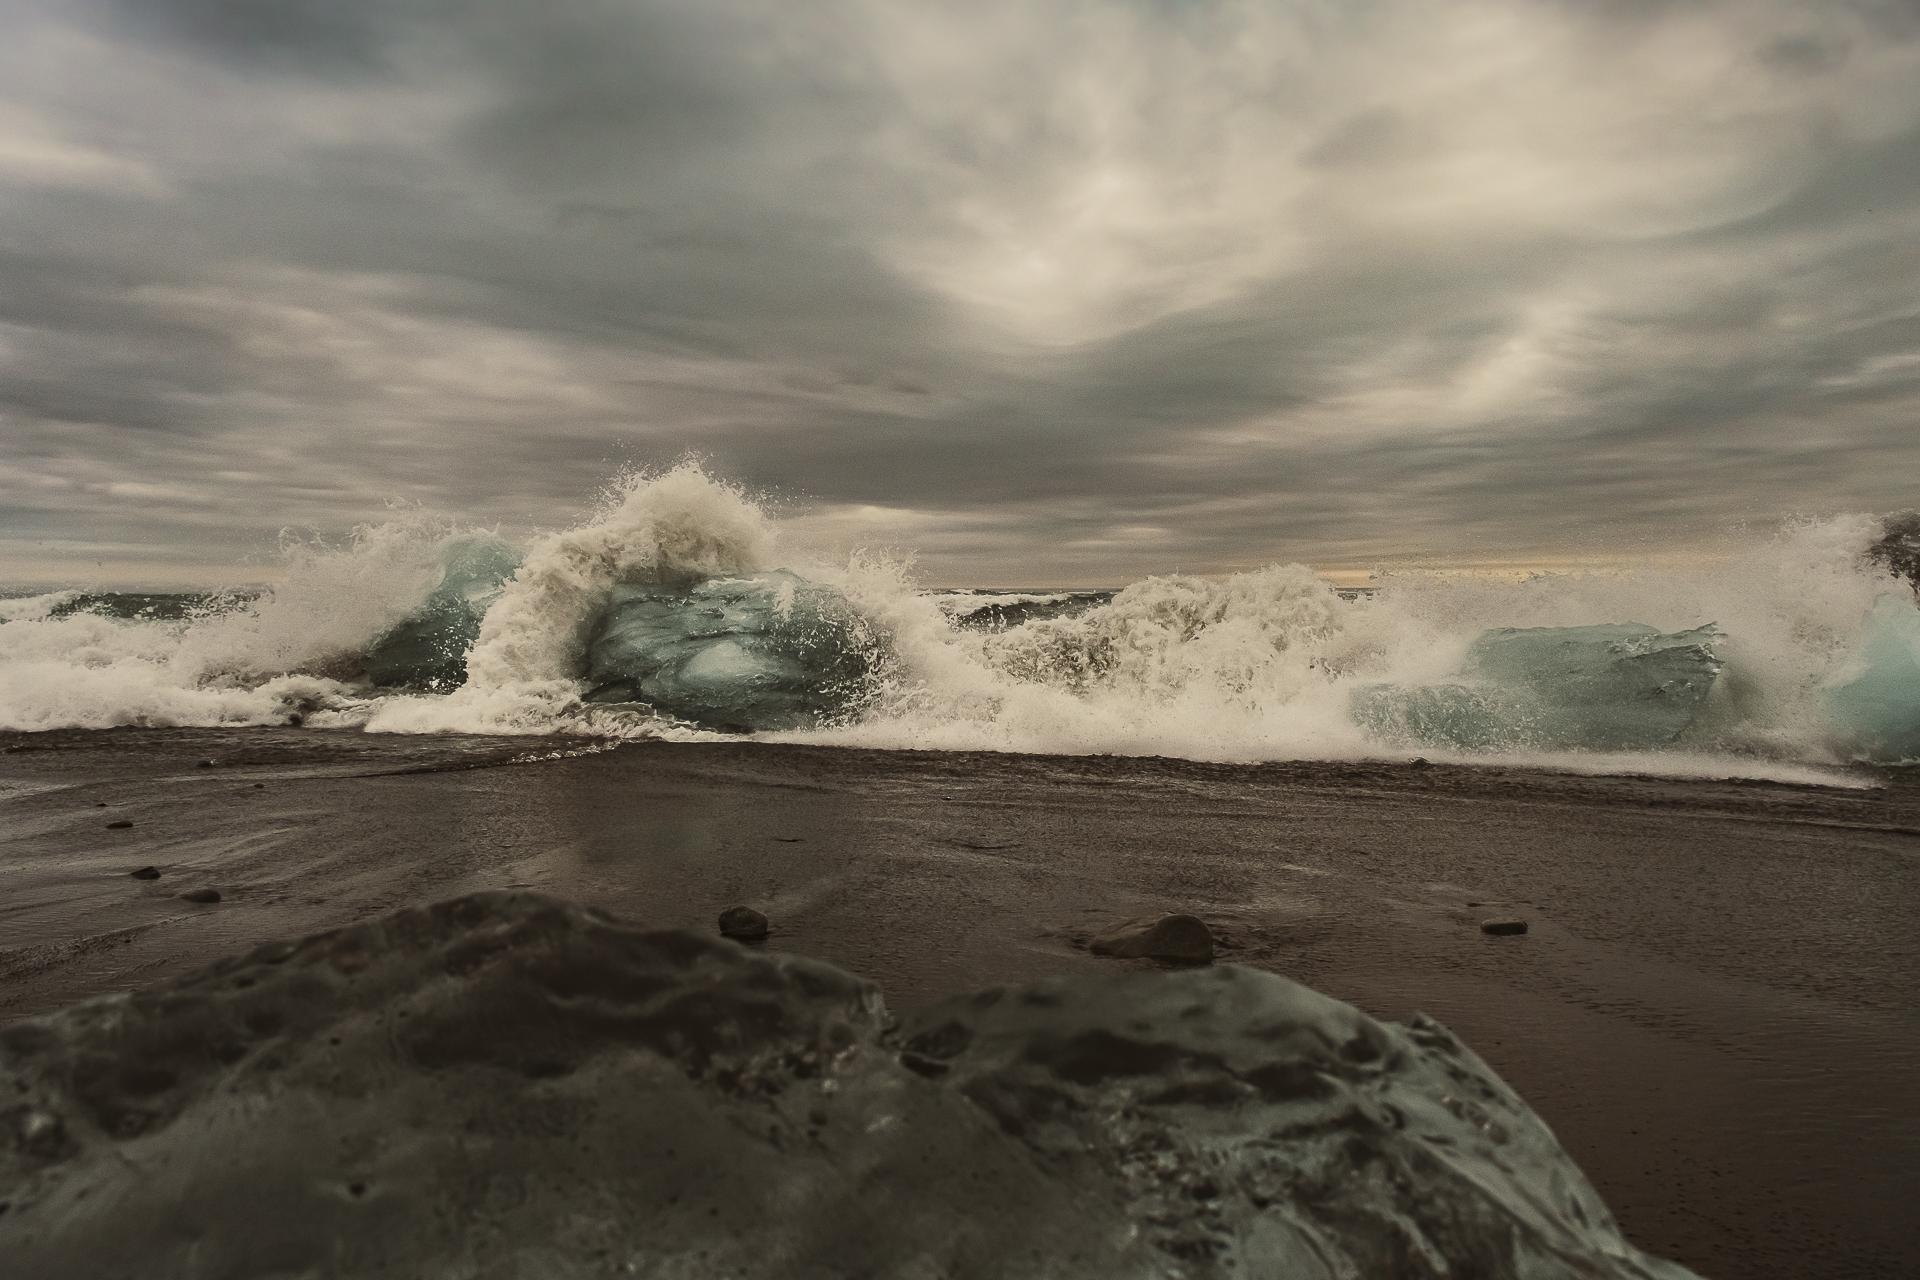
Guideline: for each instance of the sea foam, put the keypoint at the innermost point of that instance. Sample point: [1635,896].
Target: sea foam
[1267,664]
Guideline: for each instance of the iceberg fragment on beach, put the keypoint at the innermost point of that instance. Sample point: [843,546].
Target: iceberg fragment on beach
[508,1085]
[763,652]
[1612,687]
[429,649]
[1877,709]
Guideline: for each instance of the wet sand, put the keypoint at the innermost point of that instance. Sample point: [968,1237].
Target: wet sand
[1715,1006]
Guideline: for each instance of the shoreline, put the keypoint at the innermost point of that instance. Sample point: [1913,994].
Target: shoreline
[1713,1007]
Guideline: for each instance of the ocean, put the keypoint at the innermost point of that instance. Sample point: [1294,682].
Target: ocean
[670,613]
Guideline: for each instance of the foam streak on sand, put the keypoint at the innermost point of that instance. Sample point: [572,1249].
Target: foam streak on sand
[1263,665]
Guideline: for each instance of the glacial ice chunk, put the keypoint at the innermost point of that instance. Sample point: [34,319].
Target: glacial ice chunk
[508,1085]
[1613,687]
[429,649]
[1877,710]
[767,651]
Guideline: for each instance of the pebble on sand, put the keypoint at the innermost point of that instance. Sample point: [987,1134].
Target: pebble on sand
[743,923]
[146,873]
[201,895]
[204,764]
[1181,938]
[1502,928]
[119,824]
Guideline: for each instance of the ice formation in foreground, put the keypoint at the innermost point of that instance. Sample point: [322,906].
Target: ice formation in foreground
[505,1085]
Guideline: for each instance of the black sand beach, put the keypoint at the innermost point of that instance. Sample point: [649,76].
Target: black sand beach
[1713,1007]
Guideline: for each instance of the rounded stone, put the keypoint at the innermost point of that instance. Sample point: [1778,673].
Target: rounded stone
[146,873]
[1180,938]
[201,895]
[743,923]
[1503,928]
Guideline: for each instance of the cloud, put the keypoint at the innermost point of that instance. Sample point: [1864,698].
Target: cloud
[1062,293]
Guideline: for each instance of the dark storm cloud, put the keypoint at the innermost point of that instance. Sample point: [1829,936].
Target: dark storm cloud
[1073,291]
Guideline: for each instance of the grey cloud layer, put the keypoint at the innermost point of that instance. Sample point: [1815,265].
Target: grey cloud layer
[1065,292]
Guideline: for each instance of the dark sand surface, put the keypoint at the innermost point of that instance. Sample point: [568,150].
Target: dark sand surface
[1716,1007]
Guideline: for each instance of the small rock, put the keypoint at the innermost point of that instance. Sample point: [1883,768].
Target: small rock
[204,764]
[743,923]
[259,786]
[146,873]
[99,804]
[119,824]
[201,895]
[42,1133]
[1182,938]
[1503,928]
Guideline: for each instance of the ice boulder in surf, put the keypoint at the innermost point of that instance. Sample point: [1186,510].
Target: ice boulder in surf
[763,651]
[1877,708]
[1614,687]
[509,1086]
[428,650]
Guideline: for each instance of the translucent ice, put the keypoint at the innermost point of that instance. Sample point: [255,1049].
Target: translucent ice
[506,1085]
[429,649]
[1877,710]
[766,651]
[1618,686]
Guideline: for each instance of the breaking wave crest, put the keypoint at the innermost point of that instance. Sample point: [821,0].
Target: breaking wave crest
[678,609]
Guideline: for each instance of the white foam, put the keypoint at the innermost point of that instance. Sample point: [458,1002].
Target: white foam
[26,608]
[1261,666]
[680,525]
[1249,667]
[255,661]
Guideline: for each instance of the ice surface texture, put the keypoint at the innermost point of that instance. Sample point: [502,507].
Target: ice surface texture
[429,649]
[505,1085]
[1877,710]
[1614,687]
[766,651]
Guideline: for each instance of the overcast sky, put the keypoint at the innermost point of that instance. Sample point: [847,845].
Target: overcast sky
[1050,292]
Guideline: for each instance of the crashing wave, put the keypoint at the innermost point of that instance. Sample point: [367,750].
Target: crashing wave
[28,608]
[1898,546]
[1002,610]
[627,625]
[428,648]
